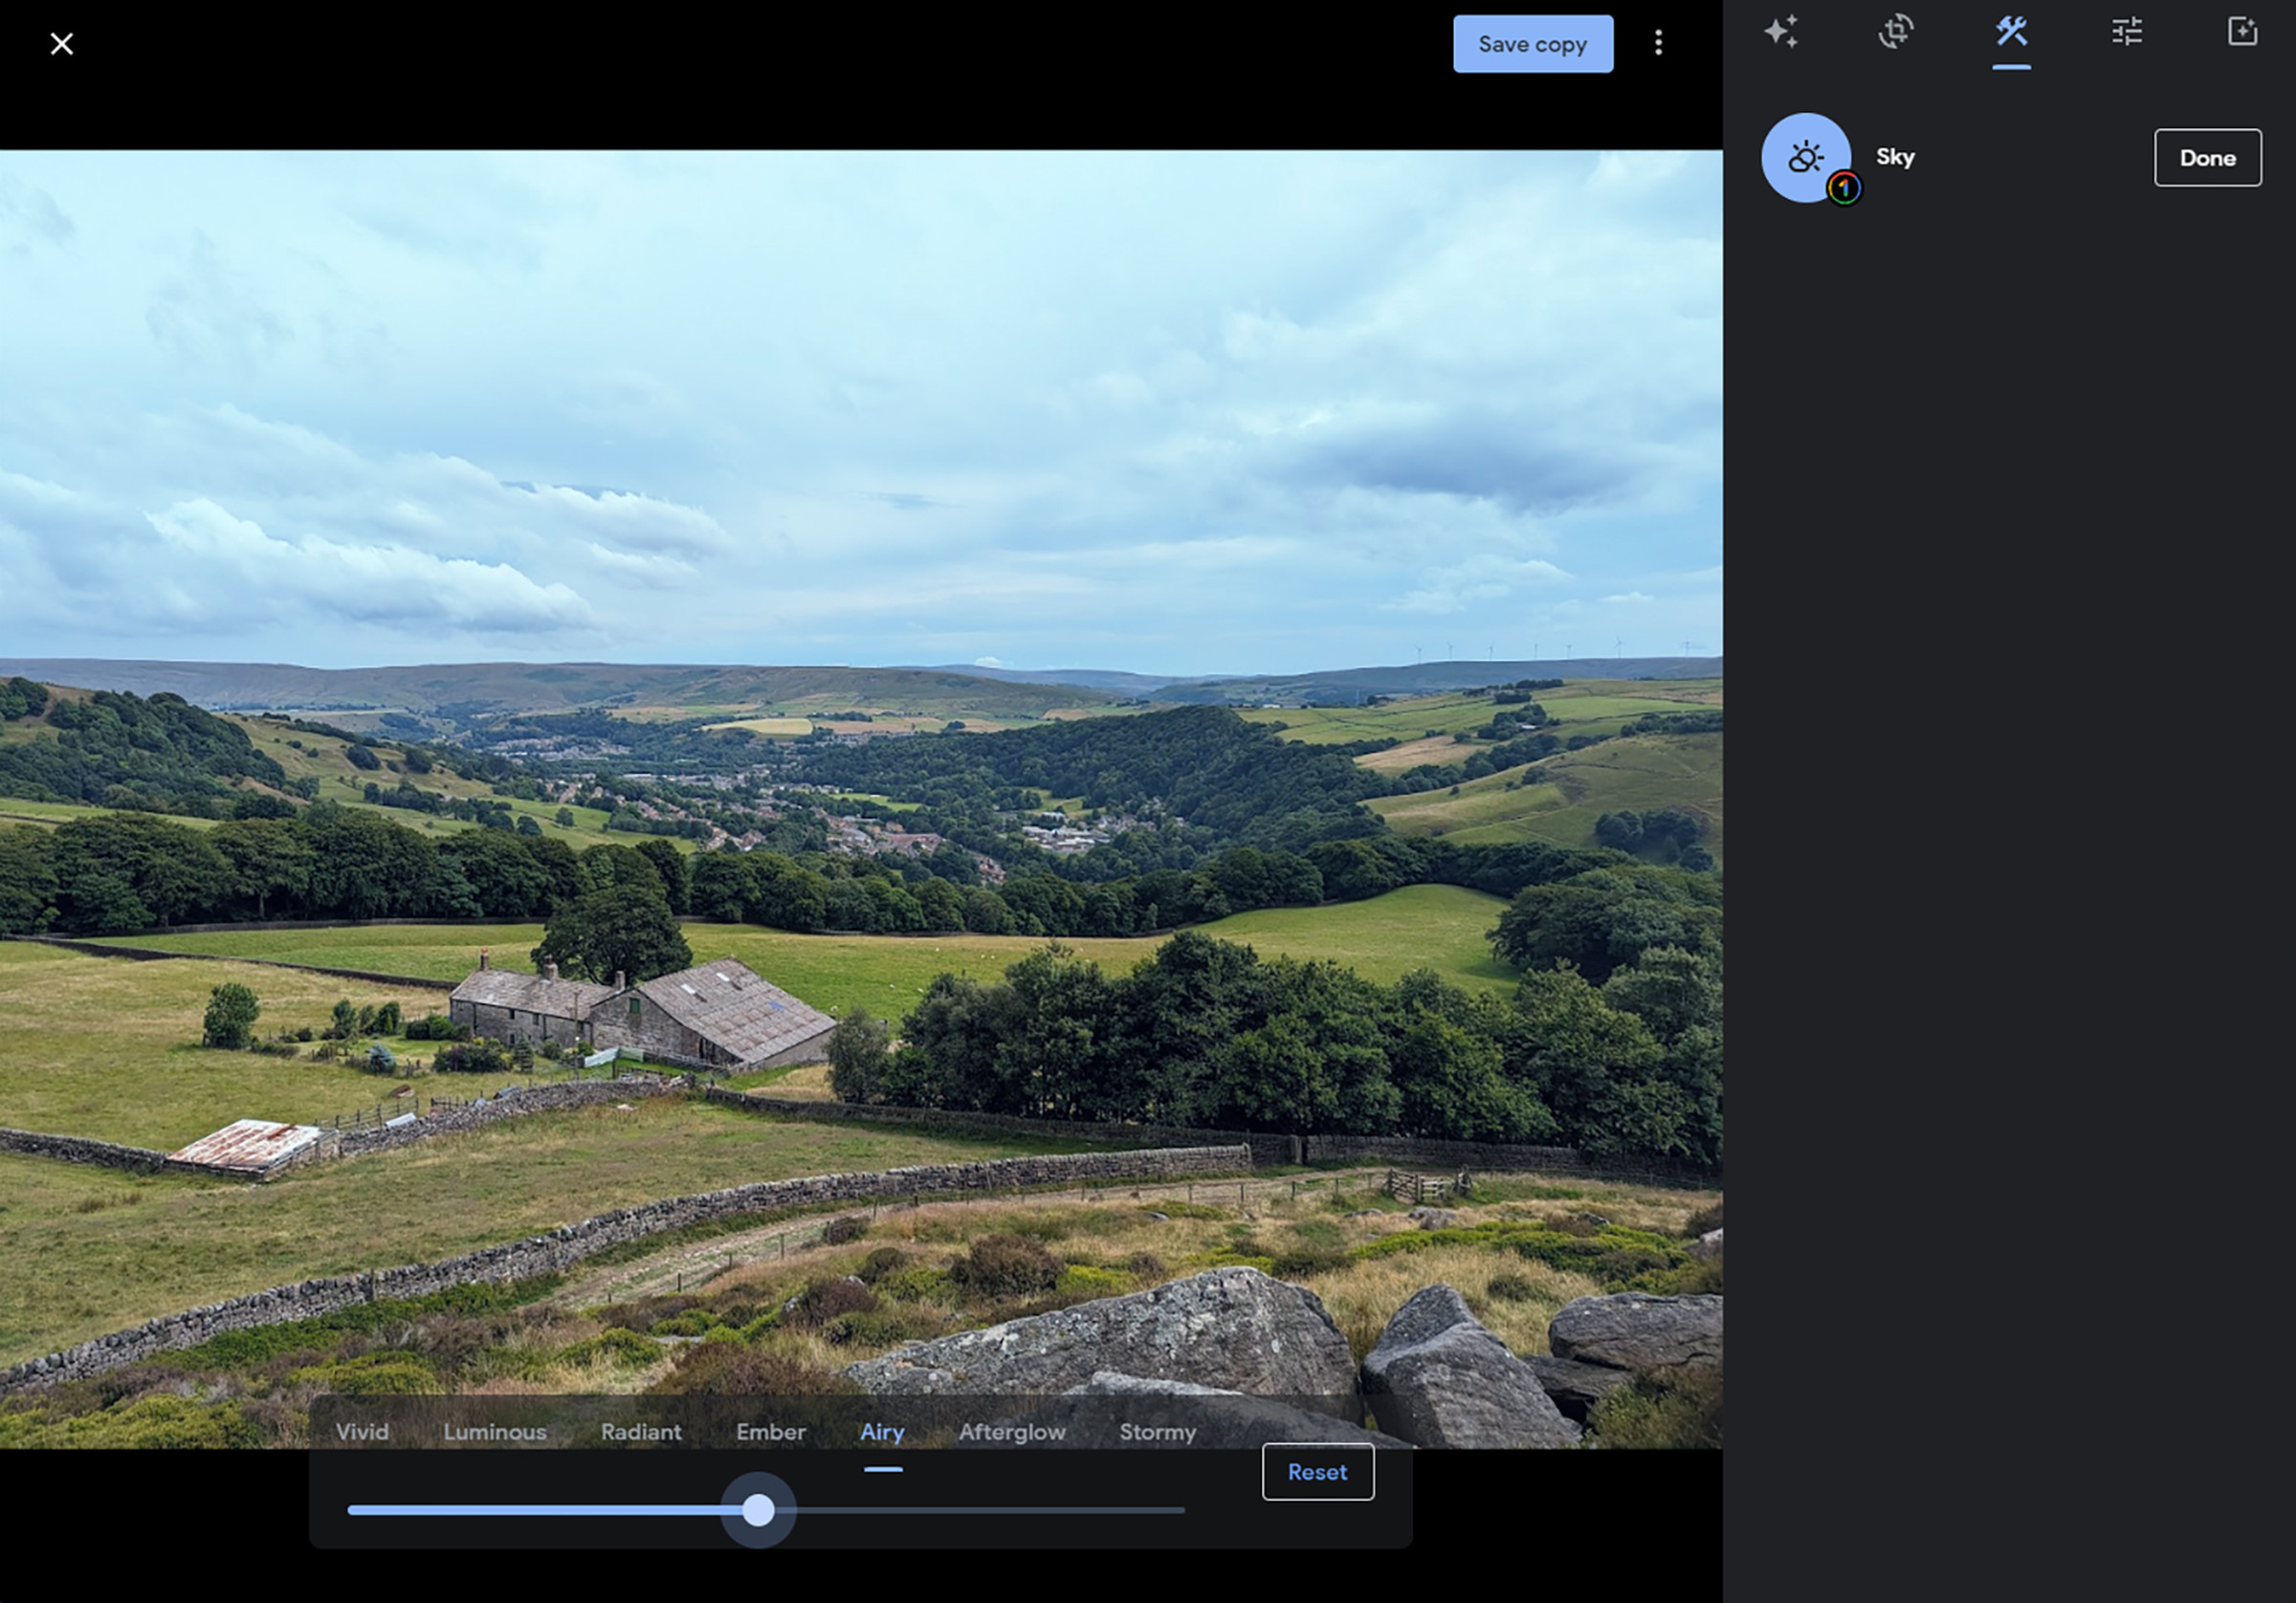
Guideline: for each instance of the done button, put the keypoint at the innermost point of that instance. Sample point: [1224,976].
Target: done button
[1531,44]
[1318,1472]
[2212,157]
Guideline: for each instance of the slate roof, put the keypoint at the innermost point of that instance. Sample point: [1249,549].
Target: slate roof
[531,993]
[728,1003]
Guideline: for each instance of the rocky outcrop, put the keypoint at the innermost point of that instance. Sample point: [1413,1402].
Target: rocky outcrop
[1438,1378]
[1575,1386]
[1709,1244]
[1180,1413]
[1233,1329]
[1629,1330]
[1435,1218]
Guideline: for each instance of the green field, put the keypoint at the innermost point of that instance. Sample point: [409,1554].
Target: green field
[101,1048]
[1436,926]
[93,1250]
[322,756]
[1637,774]
[15,810]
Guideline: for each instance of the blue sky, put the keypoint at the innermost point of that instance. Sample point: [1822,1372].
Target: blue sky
[1179,413]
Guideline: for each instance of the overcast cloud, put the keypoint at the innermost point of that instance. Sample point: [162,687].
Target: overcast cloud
[1190,414]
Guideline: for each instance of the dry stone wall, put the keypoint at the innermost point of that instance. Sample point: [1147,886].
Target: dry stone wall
[524,1099]
[1266,1146]
[541,1254]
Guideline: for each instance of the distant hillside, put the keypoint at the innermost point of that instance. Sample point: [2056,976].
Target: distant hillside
[1090,678]
[1350,685]
[452,696]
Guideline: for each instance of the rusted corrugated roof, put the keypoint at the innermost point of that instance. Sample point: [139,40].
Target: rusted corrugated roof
[250,1145]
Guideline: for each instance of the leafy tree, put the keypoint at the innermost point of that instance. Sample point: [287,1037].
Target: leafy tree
[527,825]
[565,818]
[269,857]
[670,865]
[231,1014]
[27,881]
[346,1022]
[627,928]
[860,1048]
[380,1060]
[361,757]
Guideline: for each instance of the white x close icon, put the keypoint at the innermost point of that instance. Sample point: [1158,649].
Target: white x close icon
[63,43]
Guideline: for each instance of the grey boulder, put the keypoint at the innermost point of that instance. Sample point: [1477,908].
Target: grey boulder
[1575,1387]
[1438,1378]
[1629,1330]
[1235,1329]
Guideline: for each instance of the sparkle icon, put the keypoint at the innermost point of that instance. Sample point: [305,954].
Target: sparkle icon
[1778,31]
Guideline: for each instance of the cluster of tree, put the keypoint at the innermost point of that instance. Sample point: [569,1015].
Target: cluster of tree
[1205,1034]
[113,749]
[1708,721]
[1670,833]
[483,810]
[22,698]
[360,755]
[126,872]
[1606,918]
[1239,780]
[347,1021]
[122,872]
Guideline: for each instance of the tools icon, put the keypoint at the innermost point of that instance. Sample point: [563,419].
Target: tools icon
[2012,27]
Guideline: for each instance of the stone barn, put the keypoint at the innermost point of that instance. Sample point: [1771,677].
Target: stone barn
[526,1009]
[721,1014]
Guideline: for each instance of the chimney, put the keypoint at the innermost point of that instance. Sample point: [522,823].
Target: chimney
[482,958]
[550,970]
[621,981]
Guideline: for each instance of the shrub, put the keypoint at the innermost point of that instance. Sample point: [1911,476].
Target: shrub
[879,1328]
[472,1057]
[1146,1267]
[1703,1220]
[1679,1408]
[1512,1288]
[722,1367]
[376,1374]
[390,1018]
[1005,1266]
[304,1034]
[379,1060]
[1092,1281]
[828,1298]
[881,1262]
[912,1284]
[850,1229]
[231,1013]
[1306,1261]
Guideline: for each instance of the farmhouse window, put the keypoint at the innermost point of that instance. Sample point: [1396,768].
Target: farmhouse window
[635,1005]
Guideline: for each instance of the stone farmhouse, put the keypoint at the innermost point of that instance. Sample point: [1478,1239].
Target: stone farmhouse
[722,1015]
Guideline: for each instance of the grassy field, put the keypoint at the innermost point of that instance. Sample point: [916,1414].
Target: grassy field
[14,810]
[1426,722]
[304,755]
[1638,773]
[100,1047]
[91,1250]
[1436,926]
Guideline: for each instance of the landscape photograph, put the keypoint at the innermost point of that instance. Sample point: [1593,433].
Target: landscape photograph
[858,775]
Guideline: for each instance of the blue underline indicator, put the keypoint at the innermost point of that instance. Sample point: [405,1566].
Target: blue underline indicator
[880,1469]
[2013,66]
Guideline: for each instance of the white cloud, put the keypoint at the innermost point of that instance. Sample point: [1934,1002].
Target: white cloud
[237,574]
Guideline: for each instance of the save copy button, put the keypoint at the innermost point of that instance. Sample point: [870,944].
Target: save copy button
[1531,44]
